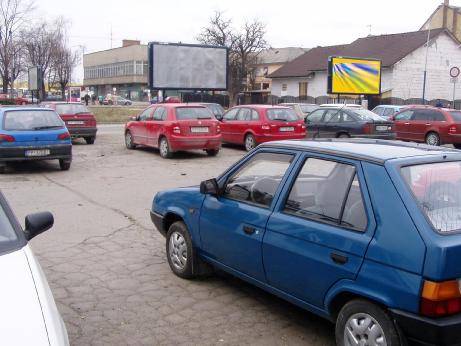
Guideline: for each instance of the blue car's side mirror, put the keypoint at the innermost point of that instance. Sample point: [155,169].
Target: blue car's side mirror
[209,187]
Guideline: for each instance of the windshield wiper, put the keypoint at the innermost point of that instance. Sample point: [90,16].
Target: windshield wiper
[205,117]
[47,127]
[81,113]
[280,119]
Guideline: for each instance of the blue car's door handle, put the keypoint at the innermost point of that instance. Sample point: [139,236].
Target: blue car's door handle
[249,229]
[339,259]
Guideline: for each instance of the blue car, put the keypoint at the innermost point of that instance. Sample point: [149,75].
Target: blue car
[363,232]
[33,134]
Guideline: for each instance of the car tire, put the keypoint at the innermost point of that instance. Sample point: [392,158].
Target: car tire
[129,141]
[360,320]
[457,145]
[250,142]
[164,148]
[64,164]
[212,152]
[180,252]
[90,140]
[343,135]
[432,138]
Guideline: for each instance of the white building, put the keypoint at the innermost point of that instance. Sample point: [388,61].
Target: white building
[403,59]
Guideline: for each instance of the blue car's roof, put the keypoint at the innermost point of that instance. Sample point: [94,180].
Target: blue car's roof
[373,150]
[21,108]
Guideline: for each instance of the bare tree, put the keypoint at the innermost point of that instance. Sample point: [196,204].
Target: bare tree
[244,45]
[41,44]
[13,15]
[65,62]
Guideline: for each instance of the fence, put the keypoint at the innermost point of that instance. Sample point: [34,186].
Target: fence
[243,99]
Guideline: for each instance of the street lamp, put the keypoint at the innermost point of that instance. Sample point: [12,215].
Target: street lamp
[425,63]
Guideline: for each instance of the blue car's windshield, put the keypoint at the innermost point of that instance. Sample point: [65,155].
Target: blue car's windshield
[30,119]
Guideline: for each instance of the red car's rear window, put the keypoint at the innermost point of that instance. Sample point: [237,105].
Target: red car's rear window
[71,109]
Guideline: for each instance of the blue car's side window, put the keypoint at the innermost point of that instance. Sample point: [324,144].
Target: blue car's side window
[258,180]
[328,191]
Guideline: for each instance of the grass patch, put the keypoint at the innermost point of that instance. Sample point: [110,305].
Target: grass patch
[111,115]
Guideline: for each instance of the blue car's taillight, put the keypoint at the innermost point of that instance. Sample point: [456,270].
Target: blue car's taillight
[6,138]
[64,136]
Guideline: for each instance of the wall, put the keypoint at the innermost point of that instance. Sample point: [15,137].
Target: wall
[407,76]
[316,86]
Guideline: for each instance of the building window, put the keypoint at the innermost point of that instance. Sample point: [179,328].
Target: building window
[126,68]
[302,89]
[284,87]
[266,86]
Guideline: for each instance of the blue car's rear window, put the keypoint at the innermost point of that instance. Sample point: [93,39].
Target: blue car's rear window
[30,119]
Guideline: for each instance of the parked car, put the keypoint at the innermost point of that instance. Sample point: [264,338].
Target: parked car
[387,111]
[217,110]
[173,127]
[27,301]
[345,122]
[78,119]
[33,134]
[432,125]
[334,227]
[302,109]
[253,124]
[118,100]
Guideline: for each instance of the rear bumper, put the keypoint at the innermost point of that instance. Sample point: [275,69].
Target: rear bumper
[451,139]
[279,137]
[429,331]
[194,142]
[61,151]
[157,220]
[389,136]
[82,131]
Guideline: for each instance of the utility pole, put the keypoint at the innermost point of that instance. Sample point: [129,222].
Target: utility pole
[110,36]
[425,64]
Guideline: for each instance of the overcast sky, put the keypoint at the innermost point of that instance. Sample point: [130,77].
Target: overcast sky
[307,23]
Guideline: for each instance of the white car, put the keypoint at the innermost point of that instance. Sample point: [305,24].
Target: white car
[28,314]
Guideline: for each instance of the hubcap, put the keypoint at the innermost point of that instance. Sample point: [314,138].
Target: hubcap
[363,330]
[432,139]
[250,143]
[128,139]
[178,251]
[163,147]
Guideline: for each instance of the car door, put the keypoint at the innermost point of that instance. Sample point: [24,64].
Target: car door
[228,130]
[313,123]
[402,124]
[232,225]
[320,228]
[155,124]
[138,128]
[420,121]
[330,123]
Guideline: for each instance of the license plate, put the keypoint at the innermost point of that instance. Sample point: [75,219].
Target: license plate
[382,128]
[203,129]
[287,129]
[38,152]
[76,122]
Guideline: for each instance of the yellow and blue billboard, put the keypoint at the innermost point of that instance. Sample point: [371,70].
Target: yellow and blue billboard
[354,76]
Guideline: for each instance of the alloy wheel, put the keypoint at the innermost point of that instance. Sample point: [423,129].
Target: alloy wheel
[164,148]
[128,140]
[249,142]
[178,251]
[363,330]
[432,139]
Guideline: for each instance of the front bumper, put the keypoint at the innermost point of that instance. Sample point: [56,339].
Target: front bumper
[61,151]
[82,131]
[429,331]
[157,220]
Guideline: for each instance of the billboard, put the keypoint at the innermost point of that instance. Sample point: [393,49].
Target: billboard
[34,78]
[176,66]
[354,76]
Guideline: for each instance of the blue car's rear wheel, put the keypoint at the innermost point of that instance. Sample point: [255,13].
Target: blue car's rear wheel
[361,322]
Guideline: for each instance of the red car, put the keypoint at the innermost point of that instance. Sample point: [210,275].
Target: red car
[253,124]
[432,125]
[173,127]
[79,120]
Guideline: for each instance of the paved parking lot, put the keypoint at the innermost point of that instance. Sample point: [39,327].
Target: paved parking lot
[107,267]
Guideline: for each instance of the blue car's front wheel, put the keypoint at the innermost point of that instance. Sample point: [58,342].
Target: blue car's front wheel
[179,251]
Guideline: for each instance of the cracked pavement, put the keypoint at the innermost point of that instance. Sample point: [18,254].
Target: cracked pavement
[106,264]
